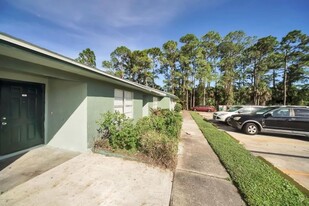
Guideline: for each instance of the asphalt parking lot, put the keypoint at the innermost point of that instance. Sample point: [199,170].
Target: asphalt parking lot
[288,153]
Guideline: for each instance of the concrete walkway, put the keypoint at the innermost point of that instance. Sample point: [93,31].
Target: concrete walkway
[200,179]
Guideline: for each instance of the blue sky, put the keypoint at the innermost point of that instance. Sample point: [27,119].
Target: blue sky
[69,26]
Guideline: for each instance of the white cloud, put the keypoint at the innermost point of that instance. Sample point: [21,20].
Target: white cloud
[101,25]
[114,13]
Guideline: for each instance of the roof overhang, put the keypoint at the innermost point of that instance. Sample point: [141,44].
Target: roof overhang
[14,45]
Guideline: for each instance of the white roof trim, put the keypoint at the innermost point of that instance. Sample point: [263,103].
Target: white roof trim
[71,61]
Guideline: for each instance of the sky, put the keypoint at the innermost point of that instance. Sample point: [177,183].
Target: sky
[69,26]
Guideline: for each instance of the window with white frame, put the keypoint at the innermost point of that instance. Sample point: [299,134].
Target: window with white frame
[155,103]
[123,102]
[128,104]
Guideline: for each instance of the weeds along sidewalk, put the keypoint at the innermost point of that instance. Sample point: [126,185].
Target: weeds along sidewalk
[200,179]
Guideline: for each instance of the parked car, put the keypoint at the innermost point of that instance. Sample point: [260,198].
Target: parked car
[284,119]
[204,108]
[225,116]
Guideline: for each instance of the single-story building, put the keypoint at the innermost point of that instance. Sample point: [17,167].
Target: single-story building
[47,98]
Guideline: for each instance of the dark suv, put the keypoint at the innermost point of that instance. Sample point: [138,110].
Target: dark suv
[285,119]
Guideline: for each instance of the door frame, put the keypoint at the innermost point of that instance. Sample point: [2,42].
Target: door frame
[2,80]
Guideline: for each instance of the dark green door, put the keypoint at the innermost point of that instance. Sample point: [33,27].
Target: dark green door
[22,116]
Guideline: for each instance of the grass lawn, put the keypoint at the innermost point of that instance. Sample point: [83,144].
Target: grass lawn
[258,183]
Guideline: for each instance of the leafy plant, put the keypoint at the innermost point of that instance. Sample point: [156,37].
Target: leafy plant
[159,147]
[162,120]
[156,136]
[178,107]
[119,130]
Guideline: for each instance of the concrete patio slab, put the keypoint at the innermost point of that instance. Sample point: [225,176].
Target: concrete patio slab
[94,179]
[32,164]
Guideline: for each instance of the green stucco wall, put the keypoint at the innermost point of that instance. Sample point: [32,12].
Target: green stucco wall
[100,99]
[164,103]
[67,114]
[137,105]
[147,99]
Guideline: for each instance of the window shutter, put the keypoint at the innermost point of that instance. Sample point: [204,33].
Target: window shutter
[155,103]
[118,101]
[128,104]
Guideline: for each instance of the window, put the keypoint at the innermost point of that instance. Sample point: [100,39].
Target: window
[155,103]
[282,112]
[128,104]
[123,102]
[118,101]
[301,112]
[245,110]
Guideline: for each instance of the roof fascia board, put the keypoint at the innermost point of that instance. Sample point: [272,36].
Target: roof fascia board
[62,58]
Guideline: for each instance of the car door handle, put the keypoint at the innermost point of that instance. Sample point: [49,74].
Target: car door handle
[291,119]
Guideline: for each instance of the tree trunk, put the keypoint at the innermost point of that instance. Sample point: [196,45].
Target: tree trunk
[255,95]
[184,94]
[172,80]
[284,81]
[204,94]
[274,79]
[187,99]
[193,94]
[190,99]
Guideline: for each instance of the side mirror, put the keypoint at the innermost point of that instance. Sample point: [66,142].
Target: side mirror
[268,115]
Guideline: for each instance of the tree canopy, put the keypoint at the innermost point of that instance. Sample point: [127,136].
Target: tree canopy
[215,69]
[87,57]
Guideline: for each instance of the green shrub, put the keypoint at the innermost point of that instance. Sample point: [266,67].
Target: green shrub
[159,147]
[172,123]
[119,130]
[162,121]
[178,107]
[155,136]
[158,136]
[258,182]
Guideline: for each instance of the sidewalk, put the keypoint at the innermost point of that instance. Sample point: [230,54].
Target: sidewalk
[200,179]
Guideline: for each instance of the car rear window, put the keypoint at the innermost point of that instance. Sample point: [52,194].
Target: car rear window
[301,112]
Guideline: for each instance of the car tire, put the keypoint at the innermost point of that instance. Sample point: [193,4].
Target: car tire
[228,121]
[209,110]
[251,129]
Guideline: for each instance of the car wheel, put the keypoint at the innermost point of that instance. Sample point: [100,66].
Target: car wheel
[209,110]
[251,128]
[228,121]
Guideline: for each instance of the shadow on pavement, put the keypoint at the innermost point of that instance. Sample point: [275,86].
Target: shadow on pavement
[6,162]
